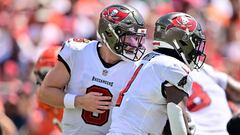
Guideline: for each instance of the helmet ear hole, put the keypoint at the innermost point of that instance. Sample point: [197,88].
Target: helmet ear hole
[118,30]
[118,48]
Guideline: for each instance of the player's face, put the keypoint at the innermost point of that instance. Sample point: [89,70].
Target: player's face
[133,45]
[133,40]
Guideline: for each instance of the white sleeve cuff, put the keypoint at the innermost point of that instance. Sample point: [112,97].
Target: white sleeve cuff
[69,100]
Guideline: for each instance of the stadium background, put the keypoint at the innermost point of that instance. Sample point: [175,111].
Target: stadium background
[27,27]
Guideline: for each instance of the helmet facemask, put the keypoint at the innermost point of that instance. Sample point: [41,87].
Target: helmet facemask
[130,46]
[191,50]
[197,54]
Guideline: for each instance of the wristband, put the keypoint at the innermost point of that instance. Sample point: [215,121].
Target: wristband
[69,100]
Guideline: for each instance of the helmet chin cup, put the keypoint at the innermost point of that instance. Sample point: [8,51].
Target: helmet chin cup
[177,48]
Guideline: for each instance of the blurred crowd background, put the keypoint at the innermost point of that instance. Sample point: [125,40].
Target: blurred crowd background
[27,27]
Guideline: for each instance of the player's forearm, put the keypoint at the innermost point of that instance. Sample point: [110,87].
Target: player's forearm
[187,120]
[233,89]
[176,119]
[175,108]
[187,117]
[51,96]
[233,84]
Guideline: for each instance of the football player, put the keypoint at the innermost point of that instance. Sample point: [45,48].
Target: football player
[159,87]
[208,103]
[52,116]
[95,71]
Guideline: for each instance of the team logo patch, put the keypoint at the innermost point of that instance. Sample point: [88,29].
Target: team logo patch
[114,15]
[184,23]
[182,82]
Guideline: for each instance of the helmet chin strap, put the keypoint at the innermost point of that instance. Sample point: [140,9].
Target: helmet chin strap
[104,40]
[194,46]
[182,55]
[113,31]
[106,43]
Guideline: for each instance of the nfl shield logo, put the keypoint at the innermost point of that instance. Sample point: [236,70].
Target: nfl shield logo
[105,72]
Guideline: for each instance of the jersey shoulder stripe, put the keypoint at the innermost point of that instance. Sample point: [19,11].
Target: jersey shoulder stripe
[77,44]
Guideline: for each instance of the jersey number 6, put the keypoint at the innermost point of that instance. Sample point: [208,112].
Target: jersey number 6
[95,118]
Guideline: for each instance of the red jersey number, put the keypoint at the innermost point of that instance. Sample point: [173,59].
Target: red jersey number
[95,118]
[199,98]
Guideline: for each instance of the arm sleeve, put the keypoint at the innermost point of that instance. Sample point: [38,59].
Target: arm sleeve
[219,77]
[65,55]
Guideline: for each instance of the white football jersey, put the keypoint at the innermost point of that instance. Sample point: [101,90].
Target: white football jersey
[88,74]
[143,110]
[208,104]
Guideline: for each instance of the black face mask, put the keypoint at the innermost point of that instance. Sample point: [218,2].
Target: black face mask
[131,46]
[197,55]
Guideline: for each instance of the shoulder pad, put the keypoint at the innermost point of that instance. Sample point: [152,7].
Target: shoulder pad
[149,56]
[79,40]
[76,43]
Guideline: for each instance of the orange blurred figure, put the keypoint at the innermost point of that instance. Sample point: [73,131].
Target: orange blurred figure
[50,124]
